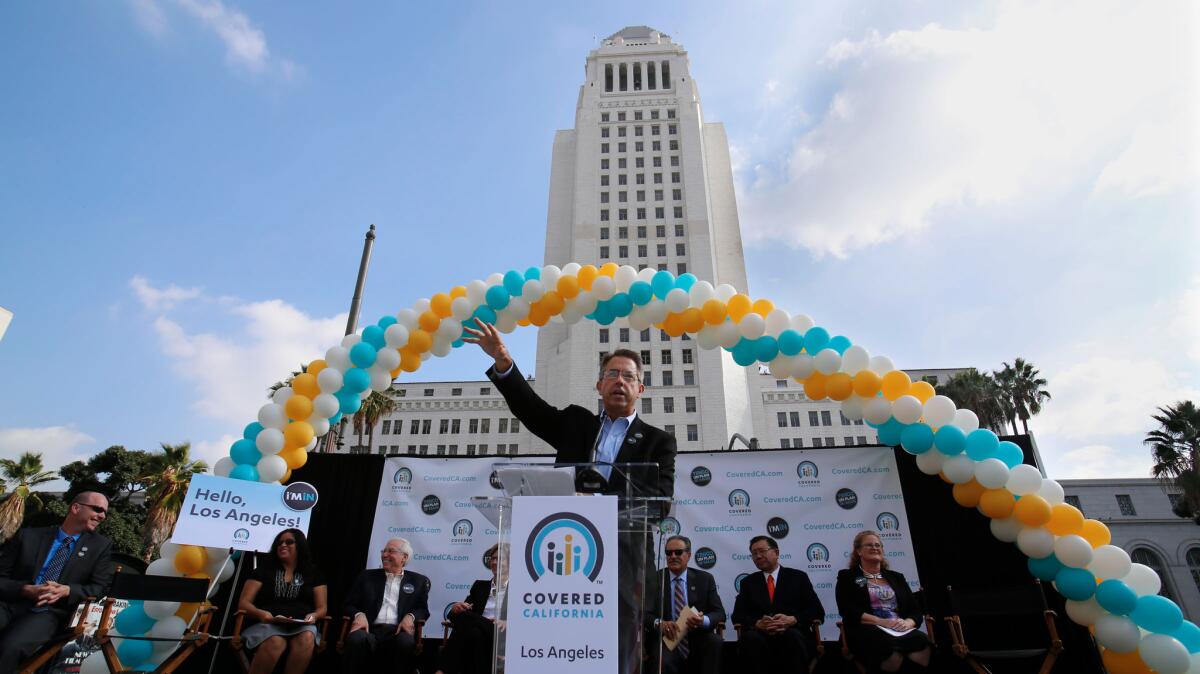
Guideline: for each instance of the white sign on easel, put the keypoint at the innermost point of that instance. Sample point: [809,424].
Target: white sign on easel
[221,512]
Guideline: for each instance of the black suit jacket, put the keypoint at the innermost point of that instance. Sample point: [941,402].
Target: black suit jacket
[88,571]
[701,595]
[853,599]
[366,595]
[794,596]
[478,595]
[572,433]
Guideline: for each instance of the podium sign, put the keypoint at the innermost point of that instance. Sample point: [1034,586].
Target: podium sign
[562,591]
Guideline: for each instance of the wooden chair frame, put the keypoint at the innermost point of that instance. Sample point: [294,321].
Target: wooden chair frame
[193,638]
[814,631]
[50,649]
[962,650]
[239,645]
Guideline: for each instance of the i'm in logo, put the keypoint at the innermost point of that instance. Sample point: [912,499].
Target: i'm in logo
[706,558]
[300,496]
[701,476]
[846,498]
[564,544]
[669,526]
[494,480]
[431,504]
[402,479]
[807,472]
[777,527]
[737,582]
[739,502]
[818,556]
[888,525]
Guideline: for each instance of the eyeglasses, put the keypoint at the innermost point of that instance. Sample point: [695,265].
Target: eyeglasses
[97,509]
[873,546]
[628,376]
[394,551]
[287,541]
[675,553]
[760,552]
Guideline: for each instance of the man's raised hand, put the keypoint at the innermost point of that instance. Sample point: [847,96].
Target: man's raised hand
[488,339]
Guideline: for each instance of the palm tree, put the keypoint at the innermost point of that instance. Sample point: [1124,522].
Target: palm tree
[286,382]
[374,407]
[167,478]
[26,473]
[1023,389]
[978,392]
[1176,447]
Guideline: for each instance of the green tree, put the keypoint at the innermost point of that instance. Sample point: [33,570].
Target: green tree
[166,479]
[123,524]
[1024,392]
[25,473]
[116,472]
[978,392]
[374,407]
[1176,448]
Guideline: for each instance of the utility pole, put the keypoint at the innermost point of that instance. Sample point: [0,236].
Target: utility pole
[352,320]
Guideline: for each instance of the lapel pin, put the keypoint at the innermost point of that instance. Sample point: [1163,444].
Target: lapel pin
[638,435]
[631,441]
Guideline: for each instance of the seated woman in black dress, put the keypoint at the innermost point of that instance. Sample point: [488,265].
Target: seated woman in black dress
[288,596]
[871,596]
[473,625]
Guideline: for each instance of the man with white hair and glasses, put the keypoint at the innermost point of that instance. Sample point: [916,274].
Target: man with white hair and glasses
[384,606]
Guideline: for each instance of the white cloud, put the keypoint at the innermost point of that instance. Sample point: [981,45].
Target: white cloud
[160,299]
[1045,99]
[1099,461]
[209,451]
[58,445]
[150,17]
[245,43]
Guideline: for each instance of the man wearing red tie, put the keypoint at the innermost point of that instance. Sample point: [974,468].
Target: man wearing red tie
[775,609]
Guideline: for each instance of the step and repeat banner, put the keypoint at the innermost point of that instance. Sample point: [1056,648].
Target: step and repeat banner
[812,502]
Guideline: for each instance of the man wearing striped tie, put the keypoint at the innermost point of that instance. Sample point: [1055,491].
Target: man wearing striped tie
[776,609]
[700,650]
[45,573]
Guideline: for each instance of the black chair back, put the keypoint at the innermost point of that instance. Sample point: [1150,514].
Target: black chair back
[158,588]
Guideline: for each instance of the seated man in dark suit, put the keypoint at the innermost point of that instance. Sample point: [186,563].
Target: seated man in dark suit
[385,605]
[775,609]
[46,572]
[700,651]
[470,646]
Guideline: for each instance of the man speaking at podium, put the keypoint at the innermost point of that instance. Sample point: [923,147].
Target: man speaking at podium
[578,435]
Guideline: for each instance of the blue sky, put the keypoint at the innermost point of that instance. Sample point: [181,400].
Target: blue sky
[186,183]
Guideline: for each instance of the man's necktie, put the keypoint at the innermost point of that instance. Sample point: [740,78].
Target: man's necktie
[771,588]
[58,561]
[679,603]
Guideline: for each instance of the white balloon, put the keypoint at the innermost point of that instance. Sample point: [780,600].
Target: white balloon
[966,420]
[495,279]
[931,463]
[223,466]
[587,301]
[1073,551]
[855,360]
[168,550]
[269,441]
[338,358]
[422,305]
[706,338]
[169,626]
[460,308]
[381,380]
[938,411]
[329,381]
[778,321]
[448,329]
[1117,633]
[350,340]
[724,291]
[1142,580]
[1036,543]
[780,368]
[1052,492]
[506,324]
[1164,654]
[804,367]
[271,469]
[476,293]
[877,410]
[646,274]
[517,308]
[550,276]
[312,444]
[440,348]
[727,334]
[991,473]
[625,277]
[389,359]
[701,292]
[802,323]
[411,320]
[604,288]
[1109,561]
[1024,479]
[959,469]
[752,326]
[272,416]
[1005,530]
[533,290]
[1085,612]
[827,361]
[570,315]
[163,566]
[906,408]
[326,404]
[677,300]
[281,395]
[320,426]
[1195,668]
[852,407]
[639,319]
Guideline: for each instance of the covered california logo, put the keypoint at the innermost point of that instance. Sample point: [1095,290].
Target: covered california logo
[564,544]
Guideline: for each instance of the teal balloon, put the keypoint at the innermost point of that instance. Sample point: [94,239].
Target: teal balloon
[373,335]
[252,430]
[917,438]
[348,401]
[336,418]
[486,314]
[147,666]
[363,355]
[982,444]
[244,451]
[497,298]
[533,274]
[685,282]
[1046,568]
[662,283]
[356,380]
[766,348]
[790,342]
[514,281]
[1010,453]
[890,432]
[1155,613]
[386,322]
[620,305]
[603,314]
[743,352]
[641,293]
[134,651]
[815,339]
[242,471]
[1116,597]
[1077,584]
[839,344]
[133,621]
[950,440]
[457,343]
[1188,635]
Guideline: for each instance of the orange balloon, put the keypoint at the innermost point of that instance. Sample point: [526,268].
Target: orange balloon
[673,326]
[553,302]
[1124,663]
[867,383]
[692,319]
[814,386]
[419,340]
[187,610]
[396,373]
[294,457]
[997,503]
[1095,533]
[429,321]
[410,360]
[1065,519]
[524,322]
[895,384]
[298,434]
[762,307]
[1032,510]
[314,368]
[298,407]
[306,385]
[839,386]
[922,390]
[538,314]
[945,479]
[713,311]
[968,494]
[440,304]
[457,292]
[568,286]
[738,306]
[609,269]
[287,475]
[190,559]
[587,274]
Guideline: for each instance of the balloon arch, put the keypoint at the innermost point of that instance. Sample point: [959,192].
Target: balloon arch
[1138,629]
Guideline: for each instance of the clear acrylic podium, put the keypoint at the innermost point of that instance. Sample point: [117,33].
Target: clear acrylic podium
[641,505]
